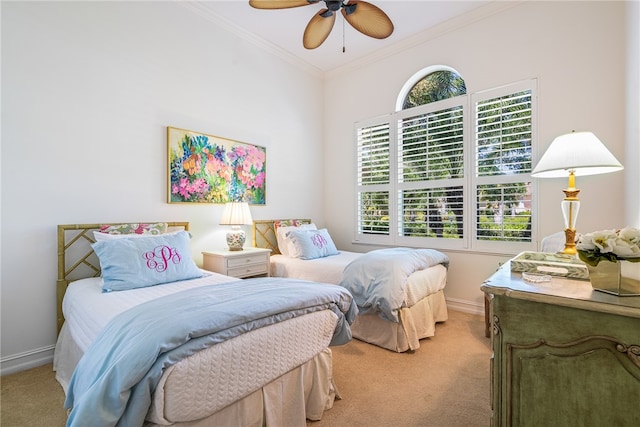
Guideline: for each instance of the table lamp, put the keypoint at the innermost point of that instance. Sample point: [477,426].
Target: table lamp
[574,154]
[236,214]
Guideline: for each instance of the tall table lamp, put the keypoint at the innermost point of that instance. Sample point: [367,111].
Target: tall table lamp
[236,214]
[574,154]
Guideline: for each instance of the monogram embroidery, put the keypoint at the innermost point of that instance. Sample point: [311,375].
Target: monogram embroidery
[318,240]
[158,259]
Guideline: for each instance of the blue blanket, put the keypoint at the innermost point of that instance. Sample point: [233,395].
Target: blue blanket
[113,382]
[377,280]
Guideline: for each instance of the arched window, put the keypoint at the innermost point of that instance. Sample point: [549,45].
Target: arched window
[430,84]
[435,86]
[447,169]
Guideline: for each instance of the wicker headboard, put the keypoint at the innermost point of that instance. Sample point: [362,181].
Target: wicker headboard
[264,233]
[76,259]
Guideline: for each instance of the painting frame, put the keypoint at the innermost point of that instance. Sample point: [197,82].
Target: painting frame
[203,168]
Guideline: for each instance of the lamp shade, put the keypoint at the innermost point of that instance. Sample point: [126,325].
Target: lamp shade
[236,213]
[580,152]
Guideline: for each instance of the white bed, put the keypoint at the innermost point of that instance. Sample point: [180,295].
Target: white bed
[425,303]
[280,374]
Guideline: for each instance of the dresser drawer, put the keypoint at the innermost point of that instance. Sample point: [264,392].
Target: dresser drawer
[246,260]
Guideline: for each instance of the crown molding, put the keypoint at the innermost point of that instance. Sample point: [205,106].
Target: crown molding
[259,42]
[475,15]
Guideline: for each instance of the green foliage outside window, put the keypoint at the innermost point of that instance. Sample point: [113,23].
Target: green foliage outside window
[434,87]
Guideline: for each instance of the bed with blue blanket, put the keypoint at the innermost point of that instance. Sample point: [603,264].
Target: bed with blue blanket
[199,349]
[399,291]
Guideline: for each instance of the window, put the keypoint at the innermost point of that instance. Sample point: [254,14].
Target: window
[503,135]
[449,170]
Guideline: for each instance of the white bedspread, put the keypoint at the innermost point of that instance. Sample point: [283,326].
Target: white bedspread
[87,309]
[329,270]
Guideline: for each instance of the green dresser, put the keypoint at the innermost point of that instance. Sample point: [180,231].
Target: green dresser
[563,354]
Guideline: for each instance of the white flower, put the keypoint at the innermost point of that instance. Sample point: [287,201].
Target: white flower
[625,249]
[623,243]
[603,241]
[631,235]
[585,243]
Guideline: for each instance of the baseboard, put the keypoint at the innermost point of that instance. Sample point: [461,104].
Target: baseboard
[27,360]
[465,306]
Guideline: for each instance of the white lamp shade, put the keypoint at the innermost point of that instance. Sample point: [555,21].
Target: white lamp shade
[581,152]
[236,213]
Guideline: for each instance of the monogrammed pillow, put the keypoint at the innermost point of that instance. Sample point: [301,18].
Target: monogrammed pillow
[311,244]
[145,261]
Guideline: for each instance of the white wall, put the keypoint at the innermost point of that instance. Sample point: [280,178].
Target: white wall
[576,50]
[632,155]
[88,89]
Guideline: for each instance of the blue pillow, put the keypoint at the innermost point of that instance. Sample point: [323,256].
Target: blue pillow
[145,261]
[311,244]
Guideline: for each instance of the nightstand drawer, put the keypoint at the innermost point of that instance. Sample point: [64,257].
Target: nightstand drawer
[248,270]
[241,261]
[246,263]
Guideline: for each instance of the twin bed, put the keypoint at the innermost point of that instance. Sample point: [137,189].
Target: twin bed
[417,306]
[269,363]
[147,338]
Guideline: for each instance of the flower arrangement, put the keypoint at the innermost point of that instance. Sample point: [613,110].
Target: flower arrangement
[610,245]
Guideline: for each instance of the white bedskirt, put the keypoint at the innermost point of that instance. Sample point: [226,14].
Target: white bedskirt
[416,322]
[302,393]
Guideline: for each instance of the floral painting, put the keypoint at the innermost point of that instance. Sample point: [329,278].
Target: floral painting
[209,169]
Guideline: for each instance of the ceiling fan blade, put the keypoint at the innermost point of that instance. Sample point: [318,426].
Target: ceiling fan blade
[318,29]
[279,4]
[368,19]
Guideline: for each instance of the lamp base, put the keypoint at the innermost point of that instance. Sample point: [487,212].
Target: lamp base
[236,239]
[570,241]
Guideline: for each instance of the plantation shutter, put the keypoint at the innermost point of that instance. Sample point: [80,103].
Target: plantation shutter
[430,172]
[373,182]
[430,144]
[503,135]
[503,138]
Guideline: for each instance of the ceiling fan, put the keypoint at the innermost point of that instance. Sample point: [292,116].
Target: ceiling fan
[363,16]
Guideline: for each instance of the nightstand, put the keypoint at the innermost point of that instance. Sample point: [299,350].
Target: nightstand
[245,263]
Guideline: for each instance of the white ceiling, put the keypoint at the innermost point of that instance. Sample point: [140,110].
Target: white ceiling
[283,28]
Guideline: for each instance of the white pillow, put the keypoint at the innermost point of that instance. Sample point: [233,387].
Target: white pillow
[285,244]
